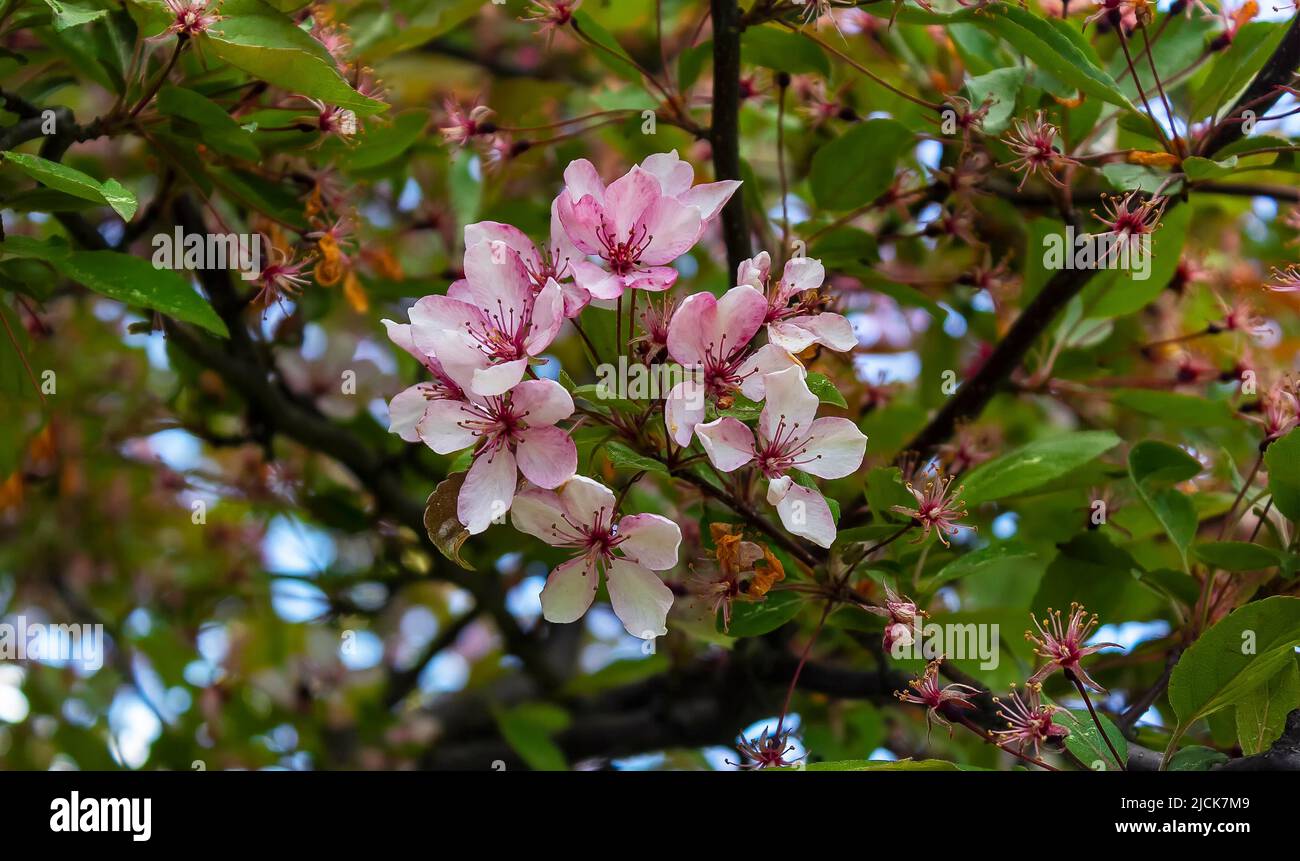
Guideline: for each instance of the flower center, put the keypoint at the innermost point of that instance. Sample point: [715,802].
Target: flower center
[624,256]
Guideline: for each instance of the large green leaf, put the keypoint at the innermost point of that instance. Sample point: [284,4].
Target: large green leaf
[1233,658]
[857,167]
[1261,714]
[753,619]
[125,278]
[1283,462]
[1056,47]
[1154,466]
[1085,741]
[1034,465]
[782,50]
[217,128]
[529,728]
[266,44]
[60,177]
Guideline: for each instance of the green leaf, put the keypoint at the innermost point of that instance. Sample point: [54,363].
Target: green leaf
[266,44]
[1196,758]
[1127,294]
[1261,714]
[1007,553]
[127,279]
[1001,86]
[1056,48]
[612,56]
[753,619]
[380,144]
[1154,466]
[1237,555]
[1233,658]
[1034,465]
[217,128]
[1283,462]
[70,14]
[617,674]
[857,167]
[625,458]
[783,50]
[1198,168]
[1085,740]
[821,386]
[1184,410]
[885,489]
[528,728]
[71,181]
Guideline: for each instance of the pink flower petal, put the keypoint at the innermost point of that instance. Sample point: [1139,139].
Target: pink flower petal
[804,512]
[626,199]
[548,317]
[406,409]
[640,599]
[488,490]
[434,314]
[740,313]
[597,281]
[709,198]
[538,512]
[755,270]
[767,359]
[789,404]
[834,448]
[547,456]
[684,409]
[442,427]
[671,227]
[583,219]
[831,330]
[728,443]
[495,231]
[790,337]
[497,379]
[497,284]
[690,327]
[650,540]
[802,273]
[544,401]
[675,175]
[569,591]
[653,278]
[584,498]
[581,179]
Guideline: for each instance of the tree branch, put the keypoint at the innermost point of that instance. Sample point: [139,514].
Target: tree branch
[725,134]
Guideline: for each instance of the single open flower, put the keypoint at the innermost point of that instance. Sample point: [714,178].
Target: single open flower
[1028,720]
[936,508]
[1034,144]
[795,319]
[581,515]
[1063,644]
[790,437]
[769,750]
[710,337]
[637,225]
[926,691]
[490,323]
[512,433]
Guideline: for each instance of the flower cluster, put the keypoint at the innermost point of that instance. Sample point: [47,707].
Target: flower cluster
[480,340]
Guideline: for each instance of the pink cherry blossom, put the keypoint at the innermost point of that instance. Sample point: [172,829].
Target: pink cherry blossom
[581,515]
[790,437]
[796,327]
[710,337]
[634,225]
[490,323]
[554,261]
[1063,644]
[513,433]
